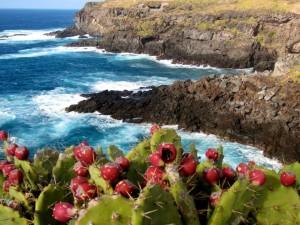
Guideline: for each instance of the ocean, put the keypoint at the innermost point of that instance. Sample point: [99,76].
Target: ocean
[40,77]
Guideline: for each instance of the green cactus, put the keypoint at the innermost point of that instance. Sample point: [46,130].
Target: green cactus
[114,152]
[167,136]
[31,178]
[220,150]
[112,210]
[277,204]
[183,199]
[202,166]
[63,170]
[138,157]
[44,161]
[155,206]
[235,204]
[99,181]
[19,197]
[10,217]
[193,150]
[2,179]
[45,202]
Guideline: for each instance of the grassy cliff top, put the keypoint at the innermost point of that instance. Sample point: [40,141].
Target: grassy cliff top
[211,6]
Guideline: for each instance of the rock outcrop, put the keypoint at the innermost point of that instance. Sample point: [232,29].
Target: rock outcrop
[184,33]
[259,110]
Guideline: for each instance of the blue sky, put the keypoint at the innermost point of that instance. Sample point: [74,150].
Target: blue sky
[42,4]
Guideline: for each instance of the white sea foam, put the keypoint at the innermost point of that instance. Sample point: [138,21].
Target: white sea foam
[53,103]
[26,35]
[38,52]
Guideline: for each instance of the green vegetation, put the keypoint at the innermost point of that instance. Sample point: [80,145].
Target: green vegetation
[157,182]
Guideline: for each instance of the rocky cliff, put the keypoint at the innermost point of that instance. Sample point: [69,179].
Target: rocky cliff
[197,34]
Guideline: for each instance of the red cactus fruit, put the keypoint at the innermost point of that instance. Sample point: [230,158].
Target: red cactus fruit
[85,154]
[3,135]
[6,185]
[75,182]
[15,177]
[214,198]
[7,169]
[228,173]
[287,179]
[3,163]
[126,188]
[63,212]
[212,154]
[155,160]
[257,177]
[154,175]
[242,169]
[80,170]
[11,149]
[167,152]
[123,162]
[85,191]
[110,172]
[188,165]
[155,127]
[211,176]
[22,153]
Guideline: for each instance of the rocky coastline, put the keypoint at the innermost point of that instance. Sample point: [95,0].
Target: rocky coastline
[261,109]
[250,109]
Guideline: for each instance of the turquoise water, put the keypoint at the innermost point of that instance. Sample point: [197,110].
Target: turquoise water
[39,77]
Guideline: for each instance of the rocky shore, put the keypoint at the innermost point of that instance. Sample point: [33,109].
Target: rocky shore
[262,109]
[256,110]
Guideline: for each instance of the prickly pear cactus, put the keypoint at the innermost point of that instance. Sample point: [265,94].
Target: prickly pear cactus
[235,204]
[112,210]
[46,200]
[63,170]
[11,217]
[31,178]
[114,152]
[277,204]
[183,199]
[19,197]
[44,161]
[99,181]
[155,206]
[138,162]
[166,136]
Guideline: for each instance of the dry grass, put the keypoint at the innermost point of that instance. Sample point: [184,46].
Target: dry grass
[218,5]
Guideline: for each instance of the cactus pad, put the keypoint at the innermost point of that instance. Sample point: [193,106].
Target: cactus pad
[63,170]
[19,197]
[29,172]
[235,204]
[112,210]
[155,206]
[183,199]
[11,217]
[114,152]
[138,161]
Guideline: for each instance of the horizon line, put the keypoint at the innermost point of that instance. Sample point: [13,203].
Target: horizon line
[40,8]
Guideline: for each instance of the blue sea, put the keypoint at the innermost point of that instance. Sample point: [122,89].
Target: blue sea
[39,77]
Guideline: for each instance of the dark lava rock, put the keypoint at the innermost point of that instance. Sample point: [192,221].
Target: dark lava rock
[257,110]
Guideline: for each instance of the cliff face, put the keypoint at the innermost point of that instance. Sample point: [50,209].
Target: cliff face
[237,39]
[257,110]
